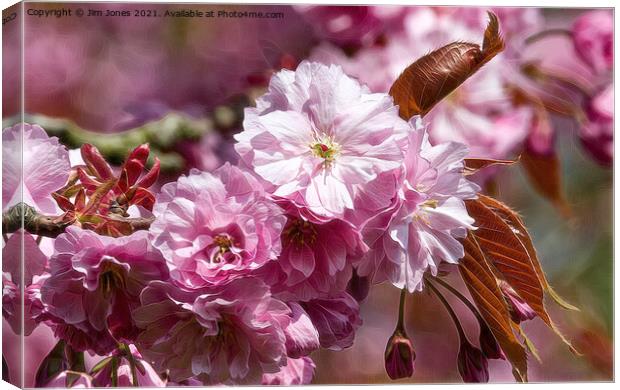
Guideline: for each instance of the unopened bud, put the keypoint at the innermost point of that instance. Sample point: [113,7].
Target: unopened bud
[399,356]
[519,310]
[472,364]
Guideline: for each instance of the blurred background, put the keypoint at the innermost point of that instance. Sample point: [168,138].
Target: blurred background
[181,84]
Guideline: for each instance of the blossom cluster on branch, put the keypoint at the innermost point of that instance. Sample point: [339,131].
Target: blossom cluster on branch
[236,276]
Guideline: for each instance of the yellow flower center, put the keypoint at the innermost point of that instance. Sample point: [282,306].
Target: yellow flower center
[224,243]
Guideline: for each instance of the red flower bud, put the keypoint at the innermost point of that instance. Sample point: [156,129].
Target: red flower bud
[519,310]
[399,356]
[95,162]
[141,153]
[151,177]
[130,174]
[472,364]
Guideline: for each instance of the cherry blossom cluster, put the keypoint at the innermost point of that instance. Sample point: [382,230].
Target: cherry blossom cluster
[246,270]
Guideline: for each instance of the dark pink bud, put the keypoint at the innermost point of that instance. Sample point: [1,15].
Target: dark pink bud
[489,345]
[472,364]
[141,153]
[151,177]
[519,310]
[95,162]
[399,356]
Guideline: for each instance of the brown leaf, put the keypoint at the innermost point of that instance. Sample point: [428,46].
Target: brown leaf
[506,251]
[473,165]
[514,220]
[544,173]
[435,75]
[482,285]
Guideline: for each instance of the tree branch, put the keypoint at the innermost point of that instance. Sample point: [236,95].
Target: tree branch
[50,225]
[162,135]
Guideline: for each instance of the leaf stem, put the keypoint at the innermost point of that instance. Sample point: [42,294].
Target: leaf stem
[445,303]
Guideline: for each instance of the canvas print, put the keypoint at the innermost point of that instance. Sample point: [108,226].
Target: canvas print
[232,194]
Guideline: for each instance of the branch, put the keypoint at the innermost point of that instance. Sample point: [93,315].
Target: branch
[162,136]
[50,225]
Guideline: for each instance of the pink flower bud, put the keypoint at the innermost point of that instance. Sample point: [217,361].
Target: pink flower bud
[489,345]
[519,310]
[472,364]
[399,356]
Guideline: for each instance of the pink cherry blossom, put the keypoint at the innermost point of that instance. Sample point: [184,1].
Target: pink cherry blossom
[319,138]
[479,113]
[296,372]
[95,282]
[597,134]
[230,333]
[214,227]
[33,163]
[302,338]
[316,258]
[33,266]
[593,37]
[336,318]
[423,228]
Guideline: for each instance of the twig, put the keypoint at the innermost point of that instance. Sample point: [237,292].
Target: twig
[50,225]
[162,136]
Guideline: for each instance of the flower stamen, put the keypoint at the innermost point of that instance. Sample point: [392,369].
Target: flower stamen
[299,232]
[326,149]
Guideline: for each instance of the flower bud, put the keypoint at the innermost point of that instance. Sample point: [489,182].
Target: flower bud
[519,310]
[151,177]
[399,356]
[141,153]
[472,364]
[95,162]
[489,345]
